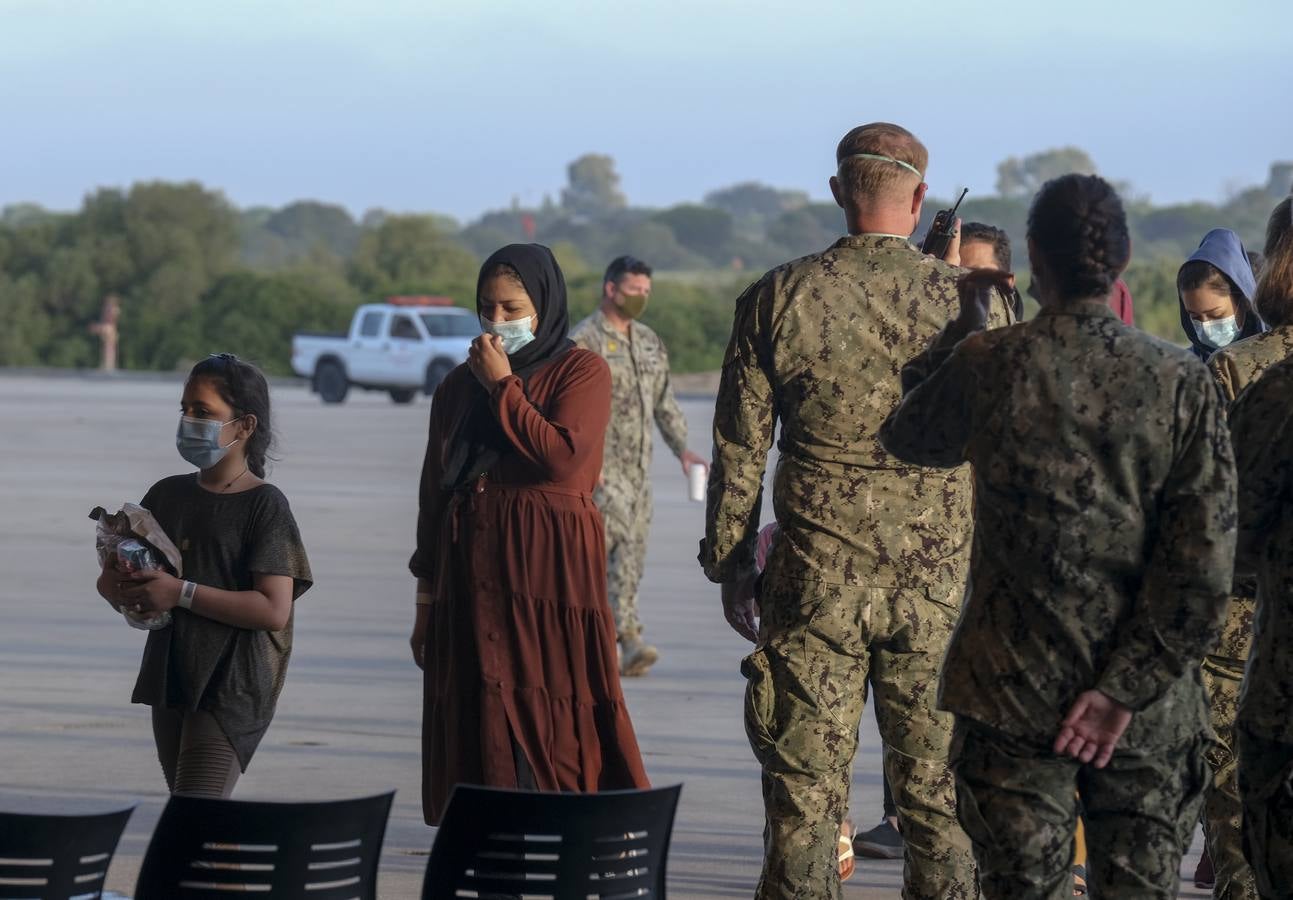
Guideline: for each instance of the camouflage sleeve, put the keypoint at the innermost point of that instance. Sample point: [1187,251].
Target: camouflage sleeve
[931,425]
[1259,434]
[1182,601]
[744,420]
[668,414]
[1223,370]
[583,337]
[1002,312]
[1229,382]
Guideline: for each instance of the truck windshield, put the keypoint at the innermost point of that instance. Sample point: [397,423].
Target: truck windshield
[450,326]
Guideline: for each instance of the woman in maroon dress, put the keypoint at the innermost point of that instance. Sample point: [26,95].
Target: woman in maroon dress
[514,632]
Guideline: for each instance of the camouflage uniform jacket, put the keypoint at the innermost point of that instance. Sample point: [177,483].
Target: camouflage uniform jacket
[1105,518]
[1235,367]
[818,343]
[641,391]
[1262,422]
[1239,365]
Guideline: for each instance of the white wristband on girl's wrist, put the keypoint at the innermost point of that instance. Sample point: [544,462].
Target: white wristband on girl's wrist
[187,592]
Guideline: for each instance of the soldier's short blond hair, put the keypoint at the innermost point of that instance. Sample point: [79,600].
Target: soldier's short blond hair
[880,179]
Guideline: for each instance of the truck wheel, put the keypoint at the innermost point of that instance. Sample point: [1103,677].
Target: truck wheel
[331,382]
[403,395]
[436,373]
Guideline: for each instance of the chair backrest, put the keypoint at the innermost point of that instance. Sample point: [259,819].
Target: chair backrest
[57,857]
[610,845]
[203,849]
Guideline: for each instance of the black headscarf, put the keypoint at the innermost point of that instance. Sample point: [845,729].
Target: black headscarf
[478,441]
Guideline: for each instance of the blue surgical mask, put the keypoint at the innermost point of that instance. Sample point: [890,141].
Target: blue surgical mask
[515,334]
[1217,333]
[198,441]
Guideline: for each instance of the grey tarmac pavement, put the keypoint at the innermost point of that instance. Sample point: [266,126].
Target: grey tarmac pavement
[348,721]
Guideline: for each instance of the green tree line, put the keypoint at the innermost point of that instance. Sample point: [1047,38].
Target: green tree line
[194,274]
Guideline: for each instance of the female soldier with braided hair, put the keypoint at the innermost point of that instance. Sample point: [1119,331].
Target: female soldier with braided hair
[1103,547]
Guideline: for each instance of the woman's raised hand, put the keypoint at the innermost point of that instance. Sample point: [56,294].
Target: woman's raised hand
[487,360]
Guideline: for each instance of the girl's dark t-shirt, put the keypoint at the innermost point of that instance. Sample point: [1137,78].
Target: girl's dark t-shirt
[225,540]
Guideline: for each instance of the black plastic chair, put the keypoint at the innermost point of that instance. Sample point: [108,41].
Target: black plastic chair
[495,843]
[57,857]
[203,849]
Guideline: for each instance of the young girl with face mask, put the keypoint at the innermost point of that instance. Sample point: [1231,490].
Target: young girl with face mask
[1216,288]
[213,676]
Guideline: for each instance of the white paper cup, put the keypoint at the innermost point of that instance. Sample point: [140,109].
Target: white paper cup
[697,475]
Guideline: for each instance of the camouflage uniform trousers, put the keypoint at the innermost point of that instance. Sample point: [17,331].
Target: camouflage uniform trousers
[1222,810]
[1017,803]
[626,546]
[819,647]
[1266,786]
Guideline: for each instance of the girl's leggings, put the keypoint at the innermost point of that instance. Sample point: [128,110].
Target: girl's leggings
[196,757]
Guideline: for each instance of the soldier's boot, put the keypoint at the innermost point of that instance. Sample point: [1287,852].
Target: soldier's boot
[636,656]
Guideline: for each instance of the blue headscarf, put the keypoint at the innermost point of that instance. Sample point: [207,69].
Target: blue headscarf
[1222,249]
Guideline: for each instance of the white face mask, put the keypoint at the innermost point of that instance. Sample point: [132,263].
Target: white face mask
[515,334]
[1217,333]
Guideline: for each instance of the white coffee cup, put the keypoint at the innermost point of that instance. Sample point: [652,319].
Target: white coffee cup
[697,475]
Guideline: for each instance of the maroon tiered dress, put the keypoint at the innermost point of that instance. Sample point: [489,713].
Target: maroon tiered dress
[520,664]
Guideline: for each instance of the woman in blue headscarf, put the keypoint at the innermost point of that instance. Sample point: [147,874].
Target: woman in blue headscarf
[1216,288]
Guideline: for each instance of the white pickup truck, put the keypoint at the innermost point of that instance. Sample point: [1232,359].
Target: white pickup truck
[405,346]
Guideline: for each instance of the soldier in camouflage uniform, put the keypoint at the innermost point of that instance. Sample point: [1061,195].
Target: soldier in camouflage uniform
[1263,432]
[1234,366]
[864,580]
[640,393]
[1260,424]
[1103,546]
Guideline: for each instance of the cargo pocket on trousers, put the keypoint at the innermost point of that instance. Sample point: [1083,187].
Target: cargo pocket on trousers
[760,703]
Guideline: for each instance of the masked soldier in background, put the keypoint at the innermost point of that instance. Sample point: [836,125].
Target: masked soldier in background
[864,580]
[641,392]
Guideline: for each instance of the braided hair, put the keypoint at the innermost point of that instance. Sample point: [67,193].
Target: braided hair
[243,387]
[1079,229]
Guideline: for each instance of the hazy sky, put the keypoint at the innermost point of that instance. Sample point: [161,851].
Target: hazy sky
[459,106]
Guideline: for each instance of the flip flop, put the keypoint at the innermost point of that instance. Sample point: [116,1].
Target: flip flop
[1079,881]
[844,847]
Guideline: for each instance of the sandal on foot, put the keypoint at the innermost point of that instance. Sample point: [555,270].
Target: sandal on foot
[844,851]
[1079,881]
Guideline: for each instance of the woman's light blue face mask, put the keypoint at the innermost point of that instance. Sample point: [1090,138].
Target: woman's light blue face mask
[1217,333]
[515,334]
[198,441]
